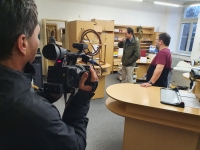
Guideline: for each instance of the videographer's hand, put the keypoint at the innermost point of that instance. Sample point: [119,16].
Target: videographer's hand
[84,77]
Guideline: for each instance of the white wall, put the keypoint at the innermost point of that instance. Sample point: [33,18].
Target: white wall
[173,20]
[127,13]
[196,47]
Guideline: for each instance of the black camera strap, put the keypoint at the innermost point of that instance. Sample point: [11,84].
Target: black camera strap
[72,91]
[94,85]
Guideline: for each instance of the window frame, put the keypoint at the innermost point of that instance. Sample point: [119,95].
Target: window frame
[186,20]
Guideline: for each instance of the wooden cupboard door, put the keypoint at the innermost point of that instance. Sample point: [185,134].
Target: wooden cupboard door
[109,49]
[99,23]
[82,26]
[103,52]
[72,35]
[109,25]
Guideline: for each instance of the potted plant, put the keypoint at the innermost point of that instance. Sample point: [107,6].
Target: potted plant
[139,30]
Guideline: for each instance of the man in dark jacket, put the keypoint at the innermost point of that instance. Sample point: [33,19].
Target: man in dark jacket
[27,120]
[131,54]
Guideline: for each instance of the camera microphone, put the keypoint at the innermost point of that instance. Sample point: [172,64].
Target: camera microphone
[80,46]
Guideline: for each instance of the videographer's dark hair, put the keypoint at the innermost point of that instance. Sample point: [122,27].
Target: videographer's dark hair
[130,30]
[165,37]
[16,17]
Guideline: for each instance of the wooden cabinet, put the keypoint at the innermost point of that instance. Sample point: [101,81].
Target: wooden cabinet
[156,37]
[107,25]
[77,27]
[107,48]
[75,30]
[107,37]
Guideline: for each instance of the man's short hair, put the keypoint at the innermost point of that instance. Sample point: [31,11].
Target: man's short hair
[165,37]
[63,31]
[130,30]
[52,33]
[16,17]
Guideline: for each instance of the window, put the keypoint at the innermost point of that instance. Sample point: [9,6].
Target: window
[188,29]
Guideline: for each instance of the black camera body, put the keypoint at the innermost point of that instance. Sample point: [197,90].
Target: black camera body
[65,74]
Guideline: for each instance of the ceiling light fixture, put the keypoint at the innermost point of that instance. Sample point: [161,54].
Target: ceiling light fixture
[195,5]
[168,4]
[136,0]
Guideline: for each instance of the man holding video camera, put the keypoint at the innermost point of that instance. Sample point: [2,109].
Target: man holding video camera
[27,120]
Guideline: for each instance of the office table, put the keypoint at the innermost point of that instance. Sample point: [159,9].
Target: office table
[196,89]
[150,125]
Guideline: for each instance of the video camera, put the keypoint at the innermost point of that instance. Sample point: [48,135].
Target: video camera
[65,74]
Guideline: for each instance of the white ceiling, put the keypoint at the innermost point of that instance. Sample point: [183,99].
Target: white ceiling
[122,1]
[176,1]
[128,4]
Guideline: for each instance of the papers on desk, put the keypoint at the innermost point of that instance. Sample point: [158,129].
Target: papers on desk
[189,99]
[143,59]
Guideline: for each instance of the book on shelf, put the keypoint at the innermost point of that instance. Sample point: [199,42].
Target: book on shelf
[115,53]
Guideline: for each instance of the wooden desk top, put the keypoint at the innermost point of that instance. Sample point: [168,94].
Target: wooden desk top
[187,75]
[148,97]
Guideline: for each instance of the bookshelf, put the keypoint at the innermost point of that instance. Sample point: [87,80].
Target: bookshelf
[49,28]
[156,37]
[147,38]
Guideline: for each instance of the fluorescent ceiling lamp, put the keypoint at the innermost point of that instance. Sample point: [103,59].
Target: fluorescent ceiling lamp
[191,3]
[136,0]
[195,5]
[168,4]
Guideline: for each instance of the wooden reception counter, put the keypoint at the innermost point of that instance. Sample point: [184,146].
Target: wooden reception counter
[150,125]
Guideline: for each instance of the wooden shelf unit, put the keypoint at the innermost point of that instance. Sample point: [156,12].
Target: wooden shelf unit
[155,37]
[147,38]
[49,28]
